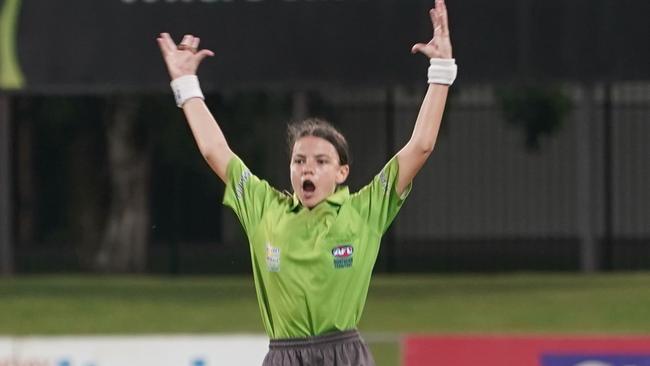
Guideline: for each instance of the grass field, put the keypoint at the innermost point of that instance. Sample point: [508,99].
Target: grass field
[521,303]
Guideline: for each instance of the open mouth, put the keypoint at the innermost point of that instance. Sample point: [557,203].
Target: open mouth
[308,186]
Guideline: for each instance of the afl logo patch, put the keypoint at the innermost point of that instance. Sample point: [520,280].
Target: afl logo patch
[343,256]
[343,251]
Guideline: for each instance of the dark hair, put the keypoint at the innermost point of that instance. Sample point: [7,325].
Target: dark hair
[320,128]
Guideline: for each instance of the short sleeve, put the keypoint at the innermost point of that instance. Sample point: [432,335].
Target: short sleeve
[378,202]
[246,194]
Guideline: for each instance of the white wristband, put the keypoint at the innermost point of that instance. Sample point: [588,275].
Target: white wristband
[442,71]
[185,88]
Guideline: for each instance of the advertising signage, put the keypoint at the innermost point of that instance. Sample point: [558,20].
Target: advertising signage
[109,45]
[235,350]
[527,350]
[595,360]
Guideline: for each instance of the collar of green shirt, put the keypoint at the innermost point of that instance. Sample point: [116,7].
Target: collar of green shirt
[337,198]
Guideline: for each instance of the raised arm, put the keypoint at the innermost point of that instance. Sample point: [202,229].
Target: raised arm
[183,60]
[416,151]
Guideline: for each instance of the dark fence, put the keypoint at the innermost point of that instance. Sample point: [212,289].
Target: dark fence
[523,178]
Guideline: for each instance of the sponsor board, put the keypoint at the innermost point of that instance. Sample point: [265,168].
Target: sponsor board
[306,42]
[526,351]
[595,360]
[127,351]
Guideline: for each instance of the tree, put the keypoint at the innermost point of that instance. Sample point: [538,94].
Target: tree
[123,247]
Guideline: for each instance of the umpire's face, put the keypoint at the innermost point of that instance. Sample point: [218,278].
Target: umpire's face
[315,170]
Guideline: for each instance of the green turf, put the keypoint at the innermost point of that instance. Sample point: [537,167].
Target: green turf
[531,303]
[517,303]
[385,353]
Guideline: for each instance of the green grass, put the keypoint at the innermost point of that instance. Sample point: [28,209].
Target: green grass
[530,303]
[509,304]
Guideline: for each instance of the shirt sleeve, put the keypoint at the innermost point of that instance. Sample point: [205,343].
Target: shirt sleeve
[246,194]
[378,202]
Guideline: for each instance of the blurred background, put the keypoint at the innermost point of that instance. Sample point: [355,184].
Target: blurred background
[541,164]
[541,169]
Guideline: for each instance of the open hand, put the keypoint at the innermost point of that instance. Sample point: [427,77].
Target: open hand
[184,58]
[440,45]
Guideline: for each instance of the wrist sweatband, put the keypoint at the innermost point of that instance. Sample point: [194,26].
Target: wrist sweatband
[442,71]
[185,88]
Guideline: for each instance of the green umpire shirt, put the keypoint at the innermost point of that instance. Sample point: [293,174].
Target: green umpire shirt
[312,267]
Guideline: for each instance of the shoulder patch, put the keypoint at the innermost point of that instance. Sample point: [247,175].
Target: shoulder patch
[239,191]
[383,179]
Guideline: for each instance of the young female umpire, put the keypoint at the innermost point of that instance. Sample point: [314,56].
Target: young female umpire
[313,252]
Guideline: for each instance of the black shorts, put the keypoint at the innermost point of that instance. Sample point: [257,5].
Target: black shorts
[345,348]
